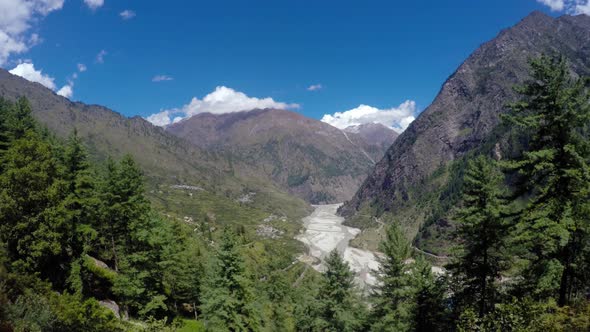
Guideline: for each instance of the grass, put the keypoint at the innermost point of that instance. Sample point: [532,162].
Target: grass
[191,325]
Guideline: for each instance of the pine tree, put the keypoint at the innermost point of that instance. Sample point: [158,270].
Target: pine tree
[228,302]
[393,293]
[20,119]
[124,206]
[429,312]
[554,112]
[81,203]
[483,233]
[339,306]
[5,113]
[30,192]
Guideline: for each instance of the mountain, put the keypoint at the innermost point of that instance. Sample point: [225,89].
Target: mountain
[421,170]
[307,157]
[170,164]
[377,137]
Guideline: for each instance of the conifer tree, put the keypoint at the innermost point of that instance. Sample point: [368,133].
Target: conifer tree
[483,234]
[228,302]
[30,191]
[124,206]
[339,306]
[393,293]
[554,111]
[429,311]
[20,119]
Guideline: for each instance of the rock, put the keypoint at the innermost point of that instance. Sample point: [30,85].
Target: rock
[268,232]
[187,187]
[98,263]
[112,306]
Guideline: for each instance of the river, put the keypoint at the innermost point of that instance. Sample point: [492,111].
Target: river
[324,232]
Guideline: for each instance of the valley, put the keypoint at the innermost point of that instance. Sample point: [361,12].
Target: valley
[287,208]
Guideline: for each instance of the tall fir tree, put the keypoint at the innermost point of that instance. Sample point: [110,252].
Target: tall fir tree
[228,299]
[393,292]
[80,206]
[124,206]
[30,192]
[554,111]
[20,119]
[339,307]
[483,234]
[430,312]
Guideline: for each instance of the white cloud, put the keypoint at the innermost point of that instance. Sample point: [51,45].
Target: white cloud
[554,5]
[582,7]
[27,71]
[16,17]
[397,118]
[572,7]
[81,67]
[314,87]
[127,14]
[222,100]
[67,90]
[160,119]
[94,4]
[160,78]
[100,56]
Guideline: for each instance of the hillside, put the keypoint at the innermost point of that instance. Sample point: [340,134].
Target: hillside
[417,179]
[308,158]
[165,159]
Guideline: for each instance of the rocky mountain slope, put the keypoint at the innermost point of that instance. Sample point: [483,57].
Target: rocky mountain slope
[309,158]
[376,137]
[419,170]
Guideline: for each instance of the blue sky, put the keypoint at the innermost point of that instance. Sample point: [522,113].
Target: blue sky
[374,53]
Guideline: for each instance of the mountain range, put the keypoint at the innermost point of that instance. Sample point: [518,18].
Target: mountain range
[309,158]
[273,159]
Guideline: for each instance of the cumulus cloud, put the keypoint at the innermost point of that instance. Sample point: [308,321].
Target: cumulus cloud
[16,17]
[81,67]
[572,7]
[582,8]
[27,71]
[222,100]
[100,56]
[397,118]
[66,91]
[554,5]
[94,4]
[127,14]
[160,78]
[314,87]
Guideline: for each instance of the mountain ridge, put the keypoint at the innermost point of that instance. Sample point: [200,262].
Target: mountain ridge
[463,115]
[309,158]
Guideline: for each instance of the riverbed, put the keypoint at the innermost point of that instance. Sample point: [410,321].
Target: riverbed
[324,232]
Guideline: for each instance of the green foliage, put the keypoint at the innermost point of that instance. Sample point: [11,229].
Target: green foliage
[228,299]
[339,307]
[408,297]
[392,296]
[483,232]
[554,111]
